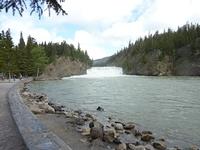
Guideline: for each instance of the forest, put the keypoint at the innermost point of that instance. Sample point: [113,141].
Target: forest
[30,58]
[168,44]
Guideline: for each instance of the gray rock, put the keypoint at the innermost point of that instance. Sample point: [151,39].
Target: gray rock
[36,110]
[100,108]
[160,145]
[129,126]
[109,134]
[96,130]
[86,131]
[119,126]
[147,137]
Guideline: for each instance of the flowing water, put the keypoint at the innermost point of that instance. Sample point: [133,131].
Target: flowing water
[169,106]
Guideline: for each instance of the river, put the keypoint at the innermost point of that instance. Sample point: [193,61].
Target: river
[168,106]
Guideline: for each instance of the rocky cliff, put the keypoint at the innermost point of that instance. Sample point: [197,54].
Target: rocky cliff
[63,67]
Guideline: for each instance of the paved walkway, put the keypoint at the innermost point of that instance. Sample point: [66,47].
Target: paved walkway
[10,139]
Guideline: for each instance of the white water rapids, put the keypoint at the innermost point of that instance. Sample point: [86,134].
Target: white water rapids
[100,72]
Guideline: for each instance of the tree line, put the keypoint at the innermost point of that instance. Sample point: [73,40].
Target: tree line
[30,58]
[167,43]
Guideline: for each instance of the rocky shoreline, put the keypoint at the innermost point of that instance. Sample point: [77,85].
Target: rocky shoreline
[114,134]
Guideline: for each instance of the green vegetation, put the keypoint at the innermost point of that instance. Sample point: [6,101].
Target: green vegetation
[166,47]
[30,58]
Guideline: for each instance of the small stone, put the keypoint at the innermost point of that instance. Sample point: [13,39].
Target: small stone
[121,146]
[147,137]
[159,145]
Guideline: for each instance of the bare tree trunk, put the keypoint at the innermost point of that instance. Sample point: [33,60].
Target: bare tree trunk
[9,75]
[38,69]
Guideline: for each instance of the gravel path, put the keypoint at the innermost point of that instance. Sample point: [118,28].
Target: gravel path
[10,139]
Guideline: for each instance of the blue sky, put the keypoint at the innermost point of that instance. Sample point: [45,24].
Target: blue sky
[103,27]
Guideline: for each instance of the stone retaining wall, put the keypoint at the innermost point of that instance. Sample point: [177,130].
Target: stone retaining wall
[35,135]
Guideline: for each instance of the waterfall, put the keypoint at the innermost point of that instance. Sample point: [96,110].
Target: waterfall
[101,72]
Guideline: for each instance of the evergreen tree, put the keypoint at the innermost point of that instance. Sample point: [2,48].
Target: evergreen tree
[39,59]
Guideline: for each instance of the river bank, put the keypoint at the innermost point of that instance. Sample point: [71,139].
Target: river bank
[81,129]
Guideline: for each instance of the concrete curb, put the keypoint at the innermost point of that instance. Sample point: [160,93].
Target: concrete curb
[35,135]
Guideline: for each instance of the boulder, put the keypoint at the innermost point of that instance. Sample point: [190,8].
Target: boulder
[119,126]
[96,130]
[121,146]
[147,137]
[109,134]
[100,108]
[160,145]
[36,110]
[129,126]
[47,108]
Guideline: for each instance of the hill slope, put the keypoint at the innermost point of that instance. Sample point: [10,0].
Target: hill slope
[63,67]
[169,53]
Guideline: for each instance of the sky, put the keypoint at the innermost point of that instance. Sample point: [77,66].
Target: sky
[102,27]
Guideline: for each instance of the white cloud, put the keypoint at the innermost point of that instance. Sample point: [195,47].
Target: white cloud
[106,26]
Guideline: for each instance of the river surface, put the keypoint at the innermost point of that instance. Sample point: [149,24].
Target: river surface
[168,106]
